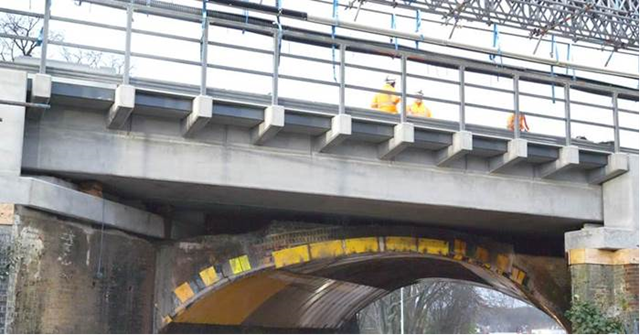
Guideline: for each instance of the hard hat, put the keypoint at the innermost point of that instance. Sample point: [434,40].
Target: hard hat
[390,80]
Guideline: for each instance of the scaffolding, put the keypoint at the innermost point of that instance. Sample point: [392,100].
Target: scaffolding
[611,23]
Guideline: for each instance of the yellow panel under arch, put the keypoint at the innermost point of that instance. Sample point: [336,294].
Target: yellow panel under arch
[291,256]
[432,246]
[326,249]
[361,245]
[184,292]
[208,276]
[400,244]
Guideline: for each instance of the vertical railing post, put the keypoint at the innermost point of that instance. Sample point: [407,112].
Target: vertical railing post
[45,36]
[516,106]
[341,109]
[204,52]
[616,123]
[403,102]
[276,60]
[127,46]
[463,120]
[567,113]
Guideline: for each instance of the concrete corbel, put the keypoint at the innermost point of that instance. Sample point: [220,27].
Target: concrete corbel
[272,124]
[201,112]
[403,136]
[122,107]
[617,164]
[568,156]
[462,143]
[516,152]
[340,130]
[40,94]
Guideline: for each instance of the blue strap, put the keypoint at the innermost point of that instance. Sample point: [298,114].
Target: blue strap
[418,26]
[40,37]
[334,15]
[279,6]
[246,17]
[393,26]
[204,23]
[496,44]
[554,50]
[573,71]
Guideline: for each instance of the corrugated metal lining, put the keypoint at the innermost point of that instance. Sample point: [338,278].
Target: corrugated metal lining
[312,302]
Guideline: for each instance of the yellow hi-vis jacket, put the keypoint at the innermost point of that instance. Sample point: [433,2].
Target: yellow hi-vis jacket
[419,109]
[523,122]
[386,102]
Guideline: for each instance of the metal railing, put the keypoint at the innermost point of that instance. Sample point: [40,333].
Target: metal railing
[344,44]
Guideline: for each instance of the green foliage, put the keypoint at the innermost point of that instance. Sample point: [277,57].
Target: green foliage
[587,318]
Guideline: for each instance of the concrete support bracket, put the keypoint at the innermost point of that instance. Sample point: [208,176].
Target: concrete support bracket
[57,199]
[40,94]
[568,157]
[272,124]
[340,130]
[601,238]
[201,112]
[122,106]
[617,164]
[403,136]
[462,143]
[516,152]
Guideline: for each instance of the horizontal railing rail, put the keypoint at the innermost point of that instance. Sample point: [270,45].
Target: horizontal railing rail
[562,84]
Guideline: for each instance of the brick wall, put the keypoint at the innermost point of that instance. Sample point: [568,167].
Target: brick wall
[612,287]
[72,278]
[5,242]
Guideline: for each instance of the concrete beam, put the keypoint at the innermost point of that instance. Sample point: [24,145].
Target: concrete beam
[620,198]
[40,94]
[568,156]
[617,164]
[201,112]
[340,130]
[57,199]
[87,150]
[272,124]
[516,152]
[13,87]
[462,143]
[403,136]
[122,107]
[601,238]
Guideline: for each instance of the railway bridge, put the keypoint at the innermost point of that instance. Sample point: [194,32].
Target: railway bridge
[133,204]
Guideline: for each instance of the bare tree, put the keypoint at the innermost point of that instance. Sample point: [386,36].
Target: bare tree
[22,26]
[429,307]
[24,31]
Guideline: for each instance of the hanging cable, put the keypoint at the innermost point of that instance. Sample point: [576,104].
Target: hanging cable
[419,26]
[334,15]
[554,51]
[279,6]
[610,56]
[496,44]
[99,274]
[393,26]
[246,17]
[569,59]
[40,37]
[204,25]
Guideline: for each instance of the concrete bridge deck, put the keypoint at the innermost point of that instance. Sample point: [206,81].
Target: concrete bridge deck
[125,199]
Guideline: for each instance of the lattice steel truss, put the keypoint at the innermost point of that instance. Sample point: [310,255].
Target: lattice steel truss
[611,23]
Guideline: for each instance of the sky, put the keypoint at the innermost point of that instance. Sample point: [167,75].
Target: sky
[160,70]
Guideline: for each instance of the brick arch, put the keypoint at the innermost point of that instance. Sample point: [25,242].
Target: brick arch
[319,277]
